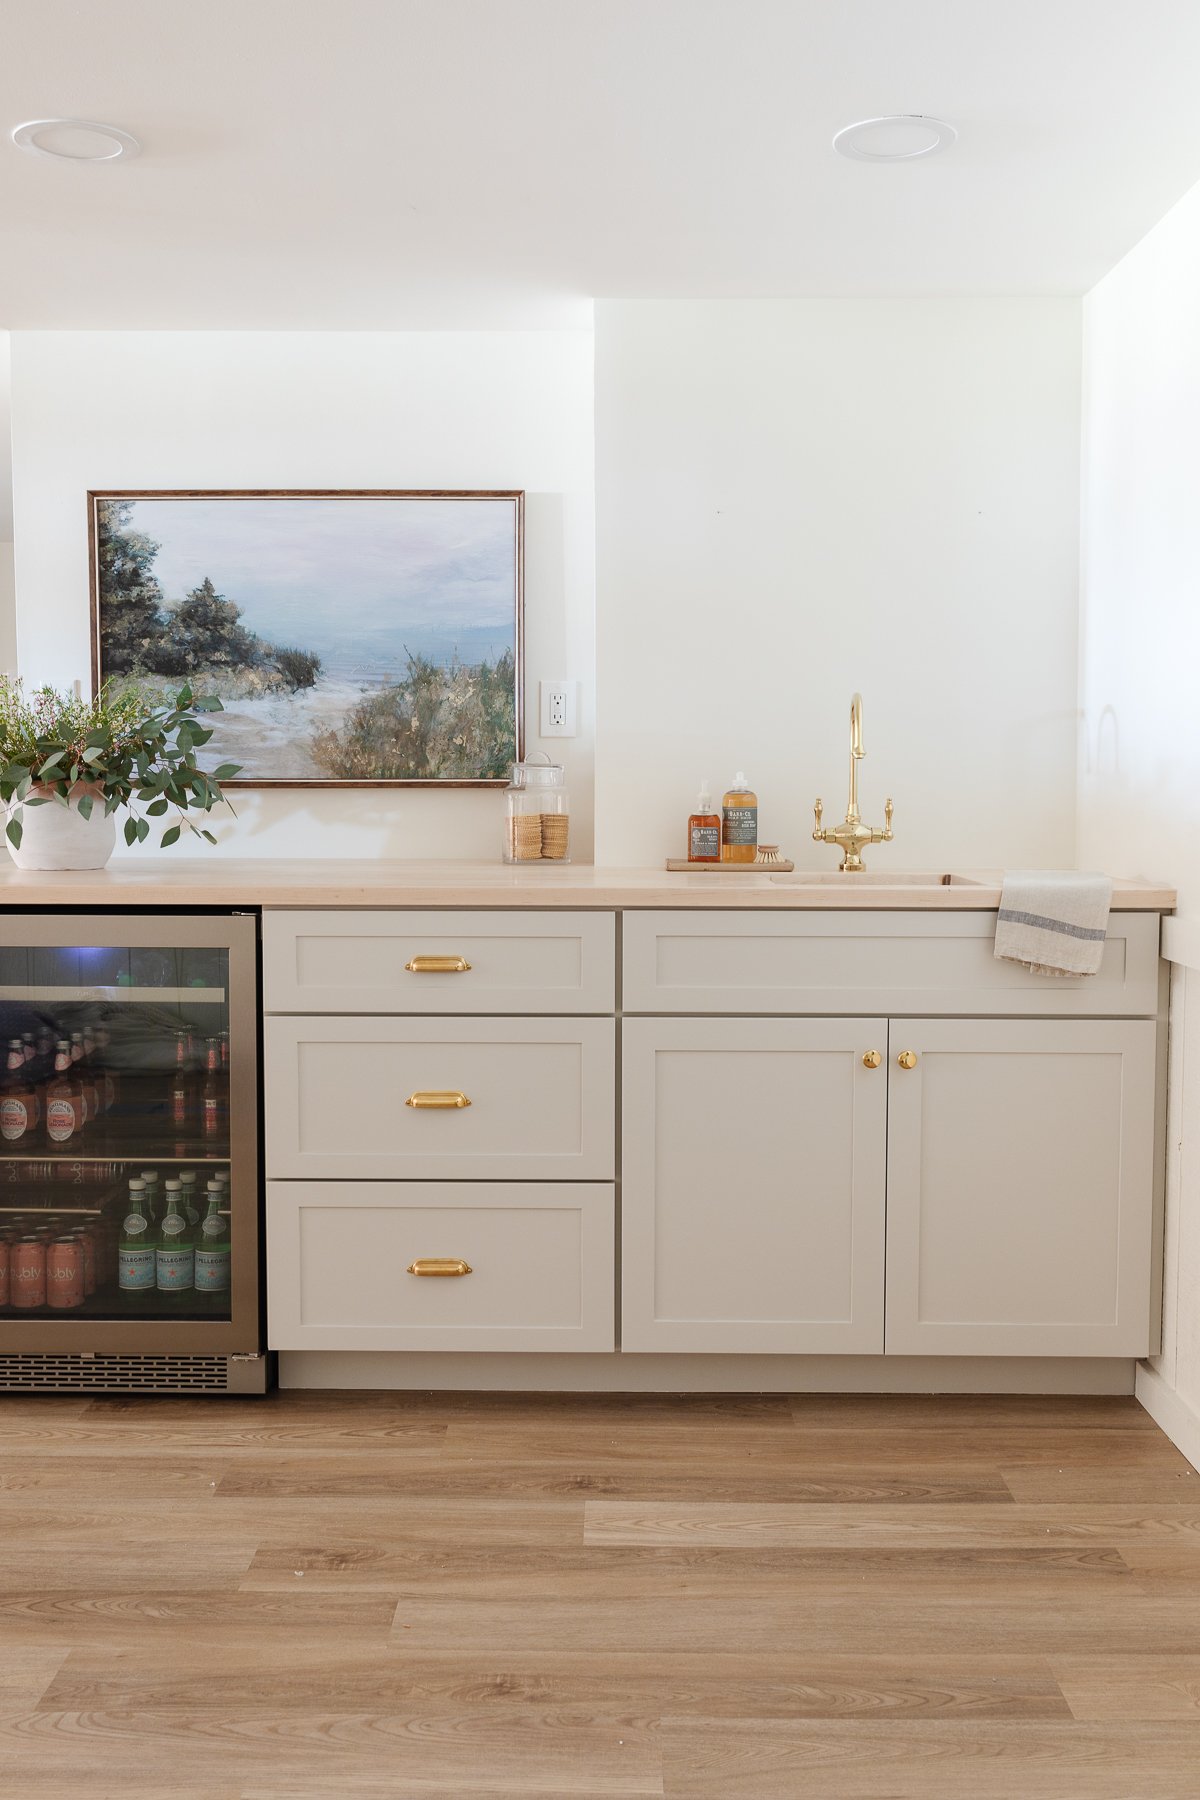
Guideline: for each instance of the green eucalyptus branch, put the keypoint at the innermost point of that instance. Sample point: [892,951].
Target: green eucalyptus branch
[115,749]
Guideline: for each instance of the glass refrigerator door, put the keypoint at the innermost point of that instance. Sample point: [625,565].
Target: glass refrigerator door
[128,1133]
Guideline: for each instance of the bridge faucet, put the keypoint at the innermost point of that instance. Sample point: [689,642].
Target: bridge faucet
[852,835]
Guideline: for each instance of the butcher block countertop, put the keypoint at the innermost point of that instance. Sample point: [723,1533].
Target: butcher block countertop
[229,882]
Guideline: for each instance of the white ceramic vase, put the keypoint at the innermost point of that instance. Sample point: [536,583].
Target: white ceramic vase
[59,837]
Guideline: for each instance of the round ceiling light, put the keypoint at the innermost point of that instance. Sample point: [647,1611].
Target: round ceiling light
[896,137]
[74,140]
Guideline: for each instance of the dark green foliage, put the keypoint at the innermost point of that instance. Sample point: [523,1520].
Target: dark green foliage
[444,723]
[299,668]
[117,748]
[206,633]
[131,622]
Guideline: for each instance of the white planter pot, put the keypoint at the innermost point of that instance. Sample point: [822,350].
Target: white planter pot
[58,837]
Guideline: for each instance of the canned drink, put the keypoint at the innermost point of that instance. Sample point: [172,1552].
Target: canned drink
[64,1274]
[27,1276]
[4,1261]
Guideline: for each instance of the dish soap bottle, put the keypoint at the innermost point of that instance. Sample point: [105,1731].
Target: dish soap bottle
[739,823]
[704,830]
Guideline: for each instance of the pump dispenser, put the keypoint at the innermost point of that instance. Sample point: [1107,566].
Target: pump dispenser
[739,822]
[704,830]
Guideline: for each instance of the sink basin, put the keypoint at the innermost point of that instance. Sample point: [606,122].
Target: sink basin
[889,878]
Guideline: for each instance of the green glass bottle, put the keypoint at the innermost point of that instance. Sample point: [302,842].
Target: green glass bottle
[135,1246]
[188,1179]
[213,1247]
[175,1251]
[150,1178]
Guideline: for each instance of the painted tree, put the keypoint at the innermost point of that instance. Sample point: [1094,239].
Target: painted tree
[208,634]
[131,621]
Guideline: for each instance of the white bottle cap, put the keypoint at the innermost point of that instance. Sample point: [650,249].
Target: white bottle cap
[739,780]
[705,800]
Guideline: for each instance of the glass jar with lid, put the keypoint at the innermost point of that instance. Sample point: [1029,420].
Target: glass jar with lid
[537,820]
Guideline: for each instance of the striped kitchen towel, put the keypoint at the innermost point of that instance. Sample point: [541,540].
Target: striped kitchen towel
[1053,921]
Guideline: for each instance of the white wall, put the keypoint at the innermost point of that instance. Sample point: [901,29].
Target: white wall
[796,499]
[1139,774]
[293,409]
[8,633]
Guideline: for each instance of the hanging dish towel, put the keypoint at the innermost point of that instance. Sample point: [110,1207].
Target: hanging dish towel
[1053,921]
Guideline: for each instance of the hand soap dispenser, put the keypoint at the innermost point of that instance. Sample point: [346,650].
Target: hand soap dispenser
[704,830]
[739,822]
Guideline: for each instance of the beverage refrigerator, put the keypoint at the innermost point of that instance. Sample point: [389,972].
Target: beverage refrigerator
[129,1162]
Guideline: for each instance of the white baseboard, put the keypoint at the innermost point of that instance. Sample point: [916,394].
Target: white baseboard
[1169,1412]
[444,1371]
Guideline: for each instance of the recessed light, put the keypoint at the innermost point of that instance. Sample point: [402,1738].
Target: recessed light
[896,137]
[74,140]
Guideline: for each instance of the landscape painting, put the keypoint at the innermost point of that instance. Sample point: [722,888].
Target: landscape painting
[351,637]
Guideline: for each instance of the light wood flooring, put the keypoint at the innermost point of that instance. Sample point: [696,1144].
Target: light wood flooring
[347,1597]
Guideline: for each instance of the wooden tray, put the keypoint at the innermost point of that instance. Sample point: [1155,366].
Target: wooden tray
[679,865]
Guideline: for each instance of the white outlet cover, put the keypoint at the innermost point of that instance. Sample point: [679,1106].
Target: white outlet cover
[557,708]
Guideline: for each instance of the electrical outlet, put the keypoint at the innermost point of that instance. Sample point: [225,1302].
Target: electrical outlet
[557,708]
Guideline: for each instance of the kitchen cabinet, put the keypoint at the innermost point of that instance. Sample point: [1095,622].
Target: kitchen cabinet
[1020,1187]
[753,1184]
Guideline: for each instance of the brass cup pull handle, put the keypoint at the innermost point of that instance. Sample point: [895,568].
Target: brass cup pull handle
[437,1101]
[907,1059]
[437,965]
[439,1265]
[871,1059]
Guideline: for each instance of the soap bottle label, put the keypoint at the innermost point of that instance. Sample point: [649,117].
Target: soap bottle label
[741,825]
[704,844]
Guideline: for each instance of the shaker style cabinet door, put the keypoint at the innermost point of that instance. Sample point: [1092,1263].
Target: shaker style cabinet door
[753,1184]
[1021,1187]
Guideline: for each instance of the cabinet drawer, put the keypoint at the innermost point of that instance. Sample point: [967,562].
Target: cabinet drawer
[540,1258]
[863,962]
[537,1098]
[439,962]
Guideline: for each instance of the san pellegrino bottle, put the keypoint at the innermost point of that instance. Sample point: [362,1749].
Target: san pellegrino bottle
[176,1248]
[212,1246]
[150,1177]
[135,1248]
[188,1179]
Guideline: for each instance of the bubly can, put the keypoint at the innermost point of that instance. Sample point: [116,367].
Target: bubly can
[64,1274]
[27,1274]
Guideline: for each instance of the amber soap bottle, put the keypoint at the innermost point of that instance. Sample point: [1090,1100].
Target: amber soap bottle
[739,822]
[704,830]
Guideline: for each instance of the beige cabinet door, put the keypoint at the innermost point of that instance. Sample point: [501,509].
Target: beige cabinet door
[1021,1188]
[753,1184]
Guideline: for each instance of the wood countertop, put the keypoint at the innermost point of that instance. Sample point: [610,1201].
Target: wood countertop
[228,881]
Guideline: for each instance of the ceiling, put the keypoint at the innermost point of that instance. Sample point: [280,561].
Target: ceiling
[417,163]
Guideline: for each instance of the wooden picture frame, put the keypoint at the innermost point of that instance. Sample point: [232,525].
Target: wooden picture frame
[366,718]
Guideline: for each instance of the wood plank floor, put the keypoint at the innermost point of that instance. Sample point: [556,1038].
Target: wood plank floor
[324,1596]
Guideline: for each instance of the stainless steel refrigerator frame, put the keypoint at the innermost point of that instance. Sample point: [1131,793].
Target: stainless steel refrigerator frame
[241,1334]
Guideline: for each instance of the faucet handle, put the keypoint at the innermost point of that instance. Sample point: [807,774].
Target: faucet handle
[888,809]
[818,809]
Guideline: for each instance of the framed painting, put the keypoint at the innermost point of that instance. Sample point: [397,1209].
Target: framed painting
[355,638]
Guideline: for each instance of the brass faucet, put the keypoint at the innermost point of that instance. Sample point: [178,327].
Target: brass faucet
[852,835]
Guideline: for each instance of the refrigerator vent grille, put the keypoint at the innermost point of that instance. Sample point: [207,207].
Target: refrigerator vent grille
[114,1374]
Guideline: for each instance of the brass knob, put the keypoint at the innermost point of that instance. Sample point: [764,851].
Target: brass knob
[907,1059]
[871,1059]
[437,1101]
[437,965]
[439,1265]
